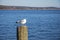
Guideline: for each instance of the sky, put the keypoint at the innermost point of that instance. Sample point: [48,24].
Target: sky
[31,3]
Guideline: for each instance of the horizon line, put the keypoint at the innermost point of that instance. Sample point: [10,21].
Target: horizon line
[29,6]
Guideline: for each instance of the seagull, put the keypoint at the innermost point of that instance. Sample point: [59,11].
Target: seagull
[23,21]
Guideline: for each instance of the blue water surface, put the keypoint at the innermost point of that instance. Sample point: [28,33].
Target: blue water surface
[42,24]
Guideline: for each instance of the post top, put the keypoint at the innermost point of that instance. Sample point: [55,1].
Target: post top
[23,26]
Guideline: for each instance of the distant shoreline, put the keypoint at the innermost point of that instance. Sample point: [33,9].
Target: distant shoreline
[2,7]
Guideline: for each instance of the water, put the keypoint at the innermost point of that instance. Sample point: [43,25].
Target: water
[42,24]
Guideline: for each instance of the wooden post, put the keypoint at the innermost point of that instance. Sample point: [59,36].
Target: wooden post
[22,33]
